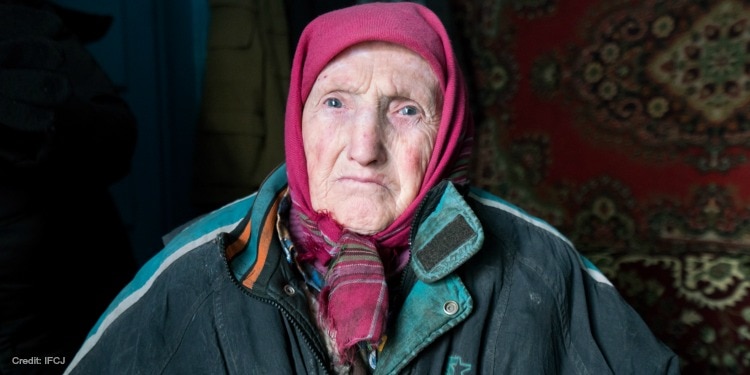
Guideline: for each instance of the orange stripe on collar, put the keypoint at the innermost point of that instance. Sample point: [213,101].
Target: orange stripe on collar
[240,242]
[264,243]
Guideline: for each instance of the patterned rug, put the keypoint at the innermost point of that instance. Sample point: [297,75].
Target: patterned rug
[626,124]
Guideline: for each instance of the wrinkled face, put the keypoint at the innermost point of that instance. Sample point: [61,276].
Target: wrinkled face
[368,128]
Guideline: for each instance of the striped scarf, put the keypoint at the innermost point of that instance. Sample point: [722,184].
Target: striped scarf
[355,291]
[354,298]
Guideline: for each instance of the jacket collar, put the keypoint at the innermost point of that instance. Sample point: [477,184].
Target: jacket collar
[445,233]
[257,232]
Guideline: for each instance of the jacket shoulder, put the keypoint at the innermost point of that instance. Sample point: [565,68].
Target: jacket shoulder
[221,220]
[170,275]
[602,331]
[532,239]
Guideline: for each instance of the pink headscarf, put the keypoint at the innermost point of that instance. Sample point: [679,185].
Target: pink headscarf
[407,24]
[357,311]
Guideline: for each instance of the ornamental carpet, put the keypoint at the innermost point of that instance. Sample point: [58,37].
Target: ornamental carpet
[626,124]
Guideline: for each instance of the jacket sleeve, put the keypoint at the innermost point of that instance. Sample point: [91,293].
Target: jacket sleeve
[164,310]
[621,335]
[167,309]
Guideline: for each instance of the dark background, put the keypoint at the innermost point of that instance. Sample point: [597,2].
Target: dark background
[154,52]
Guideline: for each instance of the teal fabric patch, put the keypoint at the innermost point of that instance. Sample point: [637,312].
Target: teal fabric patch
[448,237]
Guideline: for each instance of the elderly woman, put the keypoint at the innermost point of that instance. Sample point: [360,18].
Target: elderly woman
[368,252]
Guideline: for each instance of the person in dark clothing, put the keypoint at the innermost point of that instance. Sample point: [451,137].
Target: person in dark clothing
[65,137]
[368,251]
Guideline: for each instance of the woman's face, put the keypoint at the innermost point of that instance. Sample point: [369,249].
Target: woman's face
[368,128]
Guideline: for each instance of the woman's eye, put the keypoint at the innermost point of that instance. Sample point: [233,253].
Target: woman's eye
[333,103]
[408,111]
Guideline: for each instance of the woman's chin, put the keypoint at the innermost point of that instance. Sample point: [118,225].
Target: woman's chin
[363,218]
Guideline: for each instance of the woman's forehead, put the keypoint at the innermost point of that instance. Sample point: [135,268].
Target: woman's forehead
[404,67]
[395,69]
[375,45]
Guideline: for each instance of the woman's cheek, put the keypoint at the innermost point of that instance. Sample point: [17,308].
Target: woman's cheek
[415,157]
[320,126]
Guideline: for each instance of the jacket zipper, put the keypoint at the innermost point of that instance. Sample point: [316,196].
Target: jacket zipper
[313,348]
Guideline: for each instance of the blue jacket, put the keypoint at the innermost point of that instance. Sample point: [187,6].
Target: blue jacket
[489,290]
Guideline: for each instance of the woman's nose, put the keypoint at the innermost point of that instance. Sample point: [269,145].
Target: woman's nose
[366,145]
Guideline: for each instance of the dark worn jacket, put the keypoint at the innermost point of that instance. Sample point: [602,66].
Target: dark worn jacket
[489,290]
